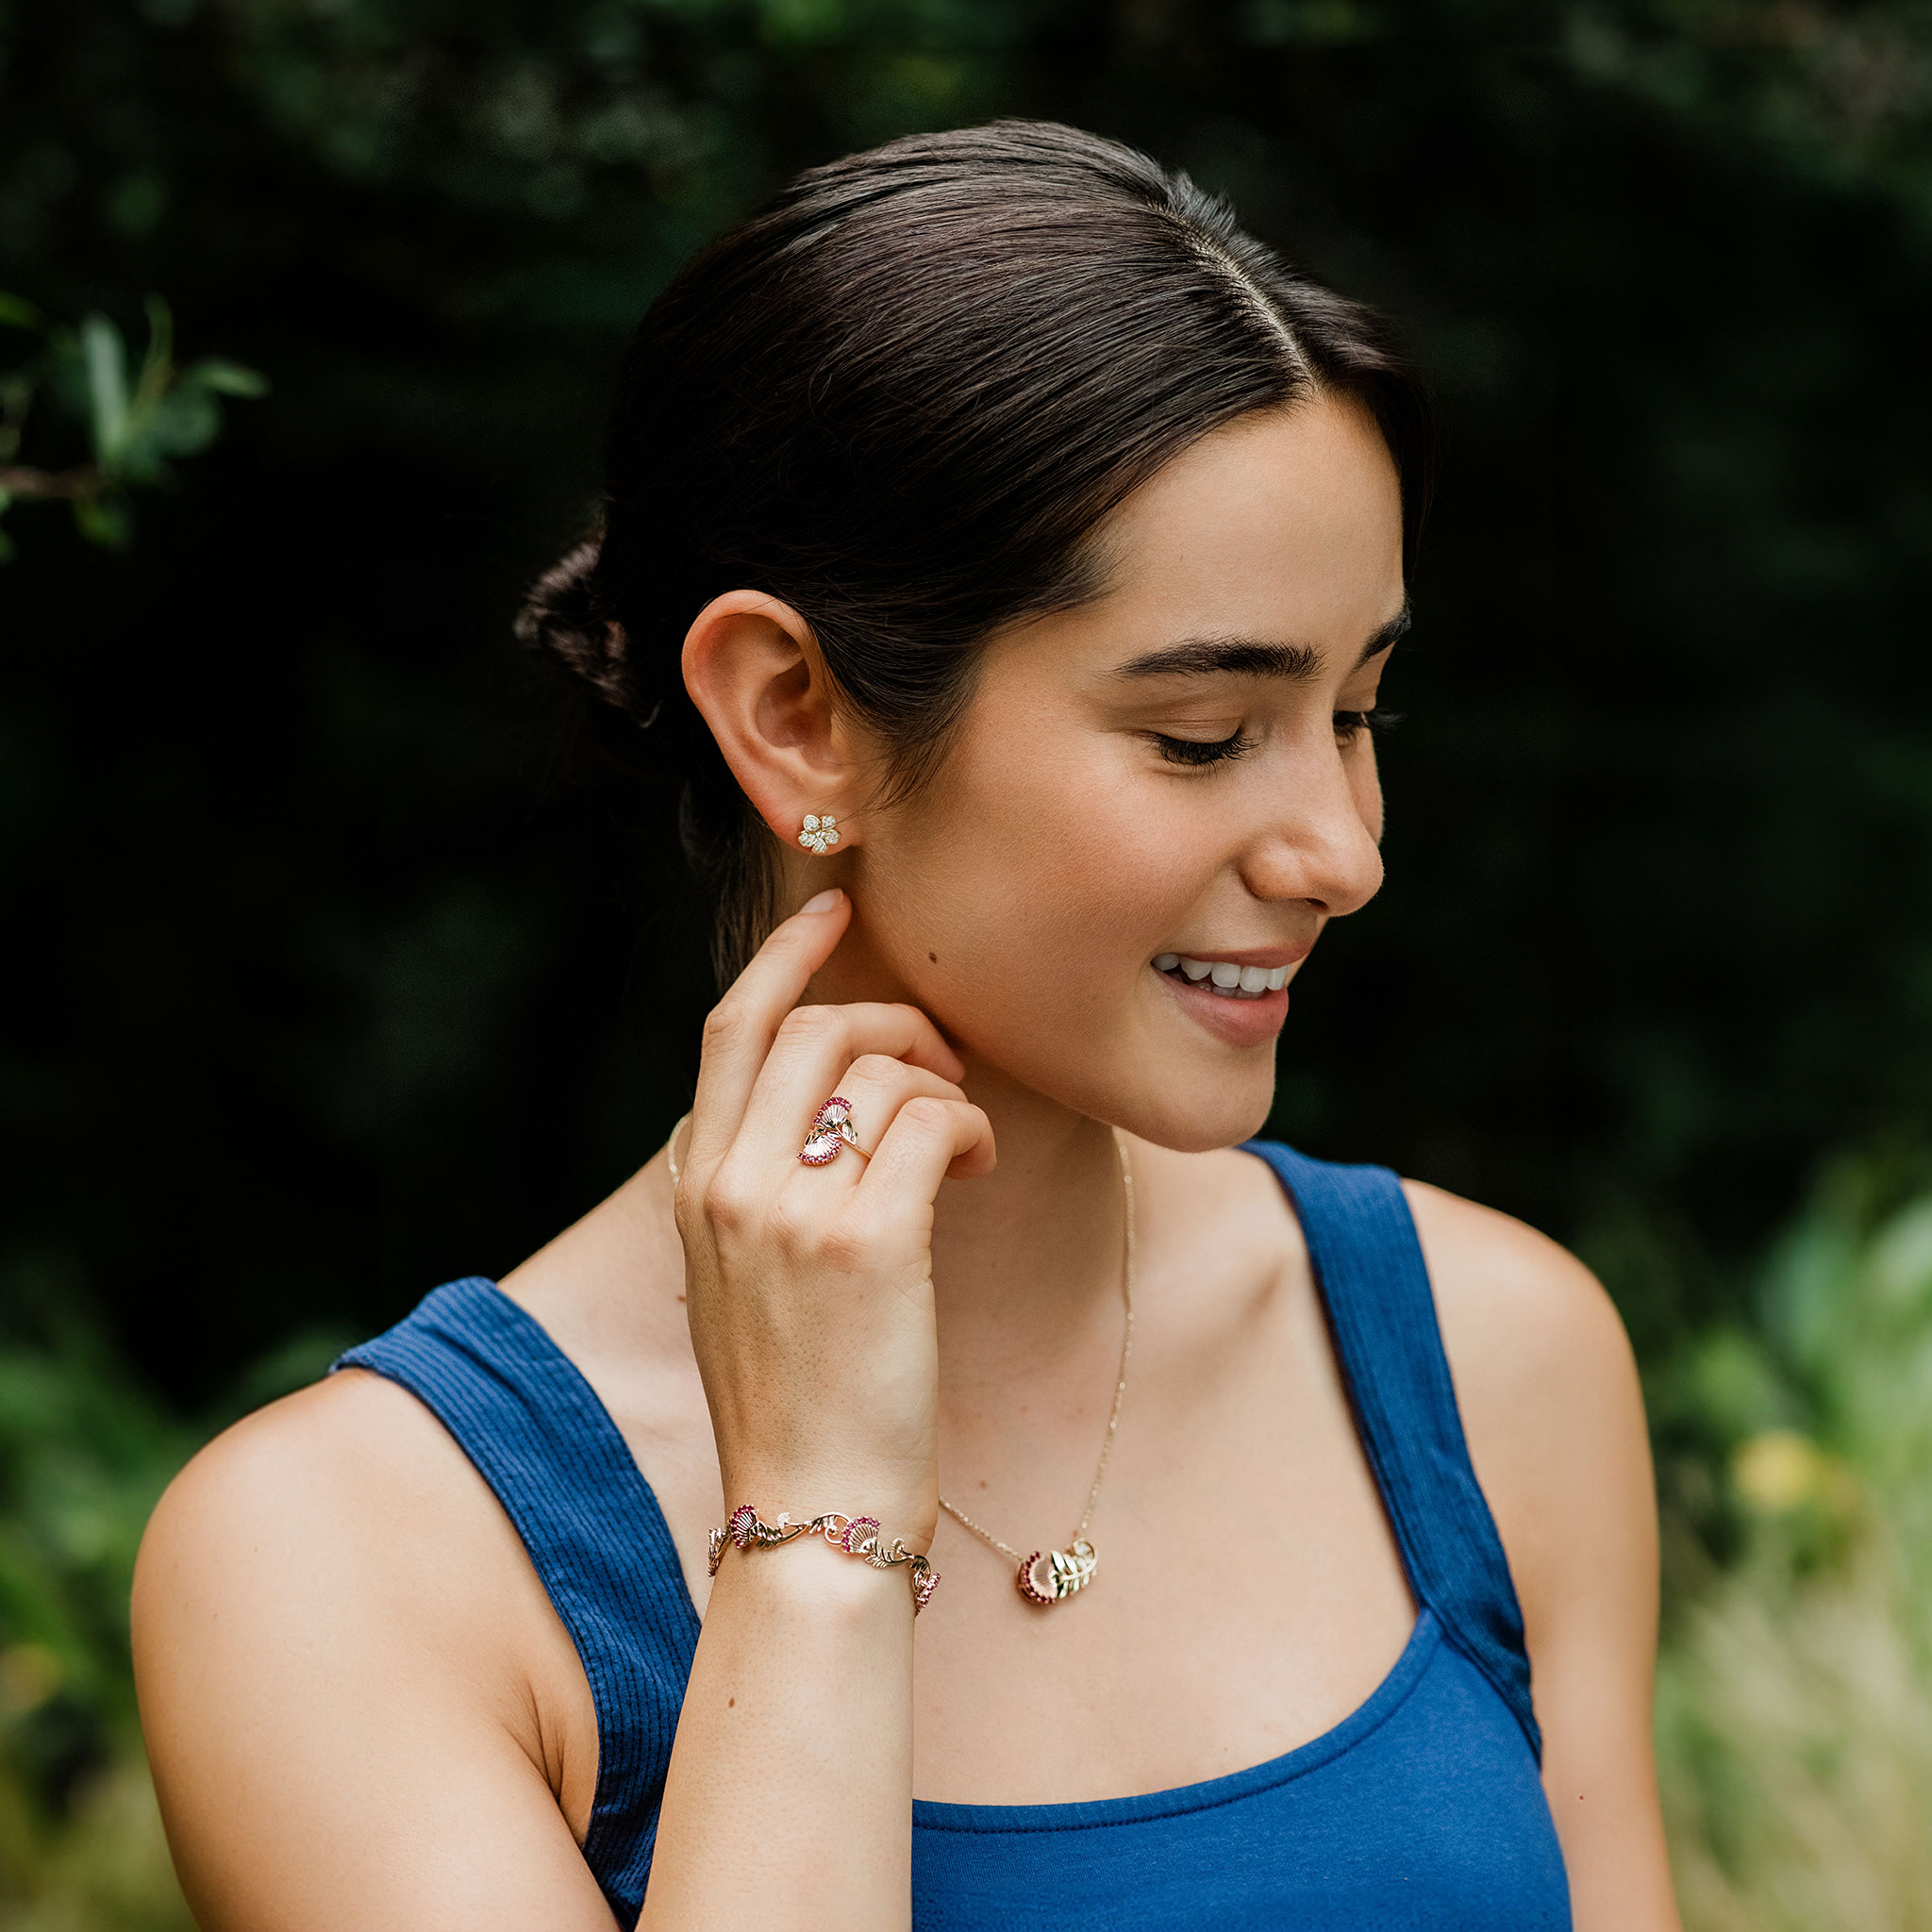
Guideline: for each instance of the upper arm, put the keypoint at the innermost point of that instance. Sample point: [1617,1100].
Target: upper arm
[1554,1416]
[335,1744]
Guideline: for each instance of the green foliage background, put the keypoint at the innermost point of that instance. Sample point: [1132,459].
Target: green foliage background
[334,987]
[329,975]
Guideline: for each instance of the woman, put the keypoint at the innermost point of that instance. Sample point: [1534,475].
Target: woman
[1007,551]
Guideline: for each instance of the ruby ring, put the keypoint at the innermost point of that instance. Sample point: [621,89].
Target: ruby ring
[831,1130]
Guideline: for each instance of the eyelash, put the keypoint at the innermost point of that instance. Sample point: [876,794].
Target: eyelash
[1194,752]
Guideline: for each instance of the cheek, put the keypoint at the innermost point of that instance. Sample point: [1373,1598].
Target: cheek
[1039,852]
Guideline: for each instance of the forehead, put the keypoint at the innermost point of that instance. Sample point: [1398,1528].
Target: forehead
[1286,524]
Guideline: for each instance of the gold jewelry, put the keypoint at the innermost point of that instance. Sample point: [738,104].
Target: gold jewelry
[831,1130]
[1050,1577]
[857,1536]
[1047,1576]
[818,833]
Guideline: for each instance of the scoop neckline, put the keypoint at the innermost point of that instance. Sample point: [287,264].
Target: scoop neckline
[1424,1638]
[936,1814]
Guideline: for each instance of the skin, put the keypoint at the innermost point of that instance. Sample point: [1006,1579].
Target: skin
[333,1616]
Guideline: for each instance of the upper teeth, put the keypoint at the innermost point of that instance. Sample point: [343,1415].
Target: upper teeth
[1224,976]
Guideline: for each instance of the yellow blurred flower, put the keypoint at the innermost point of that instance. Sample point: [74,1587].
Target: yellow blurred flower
[1778,1470]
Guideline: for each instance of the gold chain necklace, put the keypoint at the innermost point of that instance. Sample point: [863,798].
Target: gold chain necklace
[1050,1577]
[1047,1576]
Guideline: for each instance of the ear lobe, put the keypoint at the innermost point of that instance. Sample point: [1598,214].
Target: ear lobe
[753,670]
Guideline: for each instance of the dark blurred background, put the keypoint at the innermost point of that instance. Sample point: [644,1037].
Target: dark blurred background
[328,971]
[331,967]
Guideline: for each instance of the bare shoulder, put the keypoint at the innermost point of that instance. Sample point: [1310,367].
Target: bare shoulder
[341,1525]
[344,1480]
[1547,1388]
[1515,1307]
[332,1615]
[346,1514]
[350,1423]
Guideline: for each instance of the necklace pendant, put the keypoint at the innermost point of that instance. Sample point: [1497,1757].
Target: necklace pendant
[1050,1577]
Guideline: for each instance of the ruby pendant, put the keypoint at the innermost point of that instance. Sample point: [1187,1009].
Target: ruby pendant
[1050,1577]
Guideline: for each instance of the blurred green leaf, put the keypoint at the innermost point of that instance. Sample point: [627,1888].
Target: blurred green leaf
[104,520]
[104,355]
[181,424]
[134,428]
[226,378]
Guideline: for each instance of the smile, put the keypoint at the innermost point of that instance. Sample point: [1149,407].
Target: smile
[1224,976]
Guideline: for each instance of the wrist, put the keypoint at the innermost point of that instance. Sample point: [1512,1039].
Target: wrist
[861,1538]
[908,1510]
[815,1578]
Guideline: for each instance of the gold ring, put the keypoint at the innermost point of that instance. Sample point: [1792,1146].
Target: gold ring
[831,1131]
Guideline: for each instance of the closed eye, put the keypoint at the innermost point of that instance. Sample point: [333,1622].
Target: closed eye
[1195,751]
[1352,723]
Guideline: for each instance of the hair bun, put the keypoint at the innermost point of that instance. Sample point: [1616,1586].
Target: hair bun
[563,618]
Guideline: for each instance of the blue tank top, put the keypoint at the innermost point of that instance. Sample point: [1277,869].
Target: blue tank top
[1423,1808]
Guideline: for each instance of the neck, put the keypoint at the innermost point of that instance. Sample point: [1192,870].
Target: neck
[1027,1261]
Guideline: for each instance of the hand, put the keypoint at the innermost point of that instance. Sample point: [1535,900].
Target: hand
[809,1289]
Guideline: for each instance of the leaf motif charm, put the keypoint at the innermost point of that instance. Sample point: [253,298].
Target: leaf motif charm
[1051,1576]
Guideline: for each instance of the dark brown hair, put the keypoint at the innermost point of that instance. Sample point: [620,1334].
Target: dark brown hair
[902,398]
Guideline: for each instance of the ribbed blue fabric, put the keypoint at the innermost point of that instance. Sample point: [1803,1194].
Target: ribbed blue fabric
[1421,1810]
[1382,1315]
[565,1476]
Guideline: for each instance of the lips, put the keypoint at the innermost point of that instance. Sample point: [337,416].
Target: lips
[1241,998]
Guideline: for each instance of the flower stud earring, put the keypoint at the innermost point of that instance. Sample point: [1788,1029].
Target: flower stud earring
[819,833]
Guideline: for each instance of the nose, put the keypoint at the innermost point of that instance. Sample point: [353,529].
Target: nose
[1321,842]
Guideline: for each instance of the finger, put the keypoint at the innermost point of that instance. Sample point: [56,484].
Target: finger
[876,1087]
[739,1029]
[814,1049]
[929,1140]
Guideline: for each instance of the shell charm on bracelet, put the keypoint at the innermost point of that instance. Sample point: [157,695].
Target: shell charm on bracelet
[857,1536]
[831,1130]
[819,832]
[1050,1577]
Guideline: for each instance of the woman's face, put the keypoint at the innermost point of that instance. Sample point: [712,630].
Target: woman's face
[1171,778]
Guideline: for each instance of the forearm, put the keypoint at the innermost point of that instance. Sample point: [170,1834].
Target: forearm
[789,1800]
[809,1288]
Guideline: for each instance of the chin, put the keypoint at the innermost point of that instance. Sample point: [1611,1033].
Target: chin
[1192,1103]
[1192,1080]
[1197,1117]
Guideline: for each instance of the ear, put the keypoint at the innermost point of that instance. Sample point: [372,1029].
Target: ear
[753,670]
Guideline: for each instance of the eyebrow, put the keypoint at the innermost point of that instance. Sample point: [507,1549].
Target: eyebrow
[1250,657]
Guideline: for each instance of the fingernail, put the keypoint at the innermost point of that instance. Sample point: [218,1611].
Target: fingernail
[823,902]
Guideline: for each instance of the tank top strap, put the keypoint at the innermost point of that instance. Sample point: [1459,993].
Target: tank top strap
[517,1406]
[1375,1284]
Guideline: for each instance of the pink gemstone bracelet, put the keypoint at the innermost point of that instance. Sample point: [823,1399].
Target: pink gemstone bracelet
[857,1536]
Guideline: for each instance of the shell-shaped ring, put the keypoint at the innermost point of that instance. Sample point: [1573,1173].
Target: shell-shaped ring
[831,1131]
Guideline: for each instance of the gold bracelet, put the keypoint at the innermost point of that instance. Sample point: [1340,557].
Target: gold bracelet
[857,1536]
